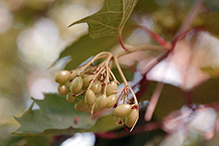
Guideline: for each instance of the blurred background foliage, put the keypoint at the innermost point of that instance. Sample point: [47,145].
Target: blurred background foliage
[34,35]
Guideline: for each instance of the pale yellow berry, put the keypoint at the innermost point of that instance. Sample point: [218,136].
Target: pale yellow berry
[62,76]
[122,110]
[131,118]
[111,88]
[111,100]
[90,97]
[76,85]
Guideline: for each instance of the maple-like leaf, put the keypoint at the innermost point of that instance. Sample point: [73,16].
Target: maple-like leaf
[110,18]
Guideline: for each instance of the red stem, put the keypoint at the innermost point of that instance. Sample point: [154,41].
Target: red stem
[157,38]
[182,35]
[188,98]
[121,41]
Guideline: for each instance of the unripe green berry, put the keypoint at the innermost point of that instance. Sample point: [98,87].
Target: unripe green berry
[62,76]
[80,105]
[90,97]
[96,87]
[111,100]
[122,110]
[87,79]
[63,89]
[101,102]
[76,85]
[70,98]
[131,117]
[111,88]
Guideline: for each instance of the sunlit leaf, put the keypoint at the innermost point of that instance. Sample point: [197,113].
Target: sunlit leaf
[111,17]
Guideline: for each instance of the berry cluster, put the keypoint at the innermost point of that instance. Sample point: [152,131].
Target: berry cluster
[93,88]
[72,84]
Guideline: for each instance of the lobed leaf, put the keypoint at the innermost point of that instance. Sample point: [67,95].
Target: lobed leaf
[110,18]
[56,117]
[54,113]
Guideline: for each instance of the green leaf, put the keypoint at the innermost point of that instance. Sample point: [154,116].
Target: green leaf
[105,123]
[37,141]
[86,47]
[128,73]
[54,113]
[56,117]
[209,21]
[110,18]
[147,6]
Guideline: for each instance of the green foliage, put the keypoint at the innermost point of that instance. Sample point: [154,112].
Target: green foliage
[107,34]
[56,116]
[110,18]
[105,123]
[54,113]
[147,6]
[37,140]
[86,47]
[127,72]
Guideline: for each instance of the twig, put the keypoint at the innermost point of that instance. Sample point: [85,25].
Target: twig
[154,99]
[191,16]
[158,38]
[121,41]
[182,35]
